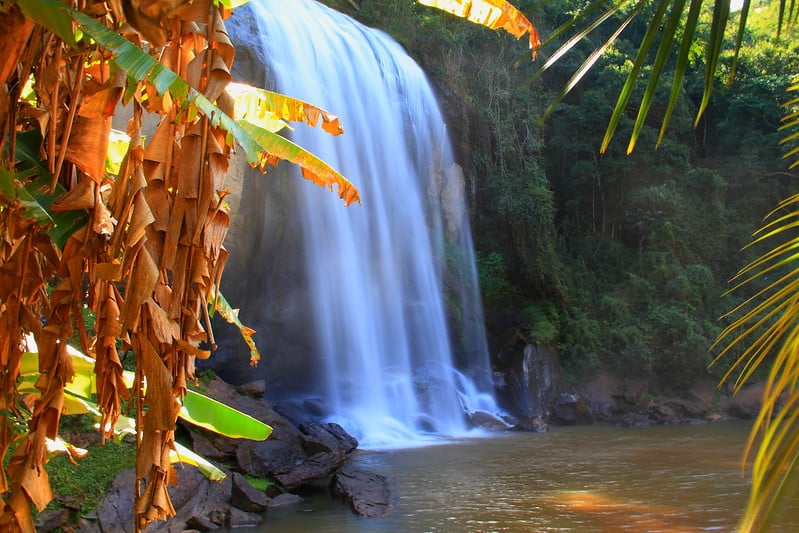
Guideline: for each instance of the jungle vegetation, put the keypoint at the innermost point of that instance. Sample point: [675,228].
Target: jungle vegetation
[612,237]
[617,259]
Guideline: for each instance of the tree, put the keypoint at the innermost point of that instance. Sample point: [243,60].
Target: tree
[764,328]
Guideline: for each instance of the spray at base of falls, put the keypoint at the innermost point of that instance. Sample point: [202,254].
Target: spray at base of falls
[378,280]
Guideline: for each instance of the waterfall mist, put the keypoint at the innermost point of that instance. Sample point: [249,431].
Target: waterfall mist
[364,306]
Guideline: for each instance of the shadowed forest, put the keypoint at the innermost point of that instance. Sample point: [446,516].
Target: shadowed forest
[620,261]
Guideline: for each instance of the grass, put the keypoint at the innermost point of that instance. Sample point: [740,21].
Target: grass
[259,483]
[87,481]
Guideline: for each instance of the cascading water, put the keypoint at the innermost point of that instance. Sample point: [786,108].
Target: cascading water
[372,305]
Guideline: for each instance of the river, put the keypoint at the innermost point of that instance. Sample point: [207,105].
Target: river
[576,479]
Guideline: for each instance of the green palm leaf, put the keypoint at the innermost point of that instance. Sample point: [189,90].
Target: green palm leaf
[721,13]
[663,52]
[621,104]
[576,38]
[682,62]
[592,58]
[768,329]
[791,122]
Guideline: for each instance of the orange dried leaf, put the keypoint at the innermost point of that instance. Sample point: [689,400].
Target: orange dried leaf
[165,330]
[493,14]
[30,478]
[141,283]
[162,407]
[142,217]
[193,350]
[82,196]
[100,104]
[108,271]
[252,102]
[88,145]
[158,201]
[103,222]
[191,159]
[159,144]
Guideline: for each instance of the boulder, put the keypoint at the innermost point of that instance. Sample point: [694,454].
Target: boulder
[246,497]
[368,494]
[285,499]
[326,437]
[291,455]
[255,389]
[532,381]
[634,420]
[318,466]
[201,523]
[238,518]
[196,499]
[661,413]
[488,421]
[746,403]
[571,409]
[535,424]
[51,520]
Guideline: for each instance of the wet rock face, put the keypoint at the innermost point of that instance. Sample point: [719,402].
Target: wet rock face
[368,494]
[571,409]
[532,380]
[265,274]
[535,424]
[244,496]
[292,455]
[196,499]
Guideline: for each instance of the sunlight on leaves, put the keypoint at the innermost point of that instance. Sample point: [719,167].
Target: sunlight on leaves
[493,14]
[261,145]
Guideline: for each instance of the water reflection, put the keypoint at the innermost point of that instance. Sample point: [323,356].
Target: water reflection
[584,479]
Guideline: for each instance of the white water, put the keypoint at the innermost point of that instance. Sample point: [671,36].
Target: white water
[375,270]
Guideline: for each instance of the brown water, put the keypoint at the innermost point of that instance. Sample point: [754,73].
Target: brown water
[582,479]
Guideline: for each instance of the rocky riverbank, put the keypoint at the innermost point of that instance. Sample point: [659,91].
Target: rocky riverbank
[304,450]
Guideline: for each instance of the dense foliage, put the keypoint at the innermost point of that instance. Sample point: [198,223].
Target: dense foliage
[620,261]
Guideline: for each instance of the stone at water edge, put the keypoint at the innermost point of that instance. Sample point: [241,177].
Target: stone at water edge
[195,497]
[535,424]
[284,499]
[368,494]
[488,421]
[246,497]
[317,466]
[326,437]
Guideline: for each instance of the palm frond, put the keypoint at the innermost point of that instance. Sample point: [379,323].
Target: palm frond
[790,123]
[768,331]
[586,67]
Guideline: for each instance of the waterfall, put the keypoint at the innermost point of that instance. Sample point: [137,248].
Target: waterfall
[380,293]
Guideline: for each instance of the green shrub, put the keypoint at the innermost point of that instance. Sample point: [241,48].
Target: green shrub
[545,322]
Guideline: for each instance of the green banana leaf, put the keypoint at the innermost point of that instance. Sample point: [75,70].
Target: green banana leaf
[215,416]
[34,193]
[47,13]
[197,408]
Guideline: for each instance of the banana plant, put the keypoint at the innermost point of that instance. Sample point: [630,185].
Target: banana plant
[139,241]
[196,408]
